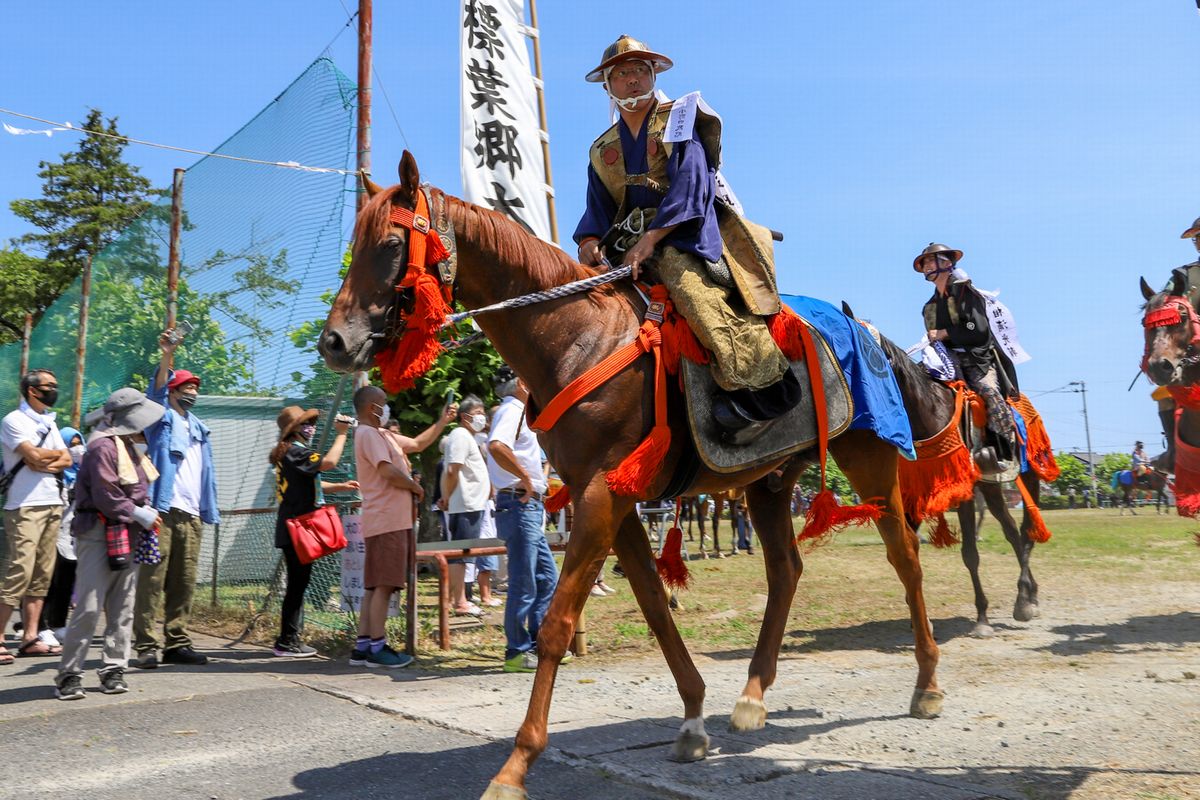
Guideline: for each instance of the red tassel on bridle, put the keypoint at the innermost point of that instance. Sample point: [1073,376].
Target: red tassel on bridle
[416,349]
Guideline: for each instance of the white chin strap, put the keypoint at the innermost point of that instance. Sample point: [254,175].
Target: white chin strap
[1196,243]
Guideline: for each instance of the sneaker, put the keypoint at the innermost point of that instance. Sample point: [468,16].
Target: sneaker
[387,658]
[69,688]
[146,660]
[596,591]
[113,682]
[606,588]
[567,658]
[49,638]
[183,655]
[493,602]
[358,658]
[296,650]
[522,662]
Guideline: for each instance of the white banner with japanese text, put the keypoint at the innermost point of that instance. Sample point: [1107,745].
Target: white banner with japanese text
[502,165]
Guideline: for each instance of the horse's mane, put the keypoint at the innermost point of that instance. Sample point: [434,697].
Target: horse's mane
[914,372]
[546,265]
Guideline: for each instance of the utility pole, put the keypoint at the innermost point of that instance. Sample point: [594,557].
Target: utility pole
[1087,430]
[362,164]
[173,251]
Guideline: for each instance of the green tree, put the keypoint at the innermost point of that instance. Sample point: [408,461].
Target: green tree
[87,199]
[1073,474]
[1110,463]
[21,277]
[836,480]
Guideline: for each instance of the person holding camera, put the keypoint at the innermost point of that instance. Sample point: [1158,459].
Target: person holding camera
[185,495]
[299,489]
[112,509]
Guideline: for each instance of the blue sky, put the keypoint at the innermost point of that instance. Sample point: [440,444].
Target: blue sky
[1053,142]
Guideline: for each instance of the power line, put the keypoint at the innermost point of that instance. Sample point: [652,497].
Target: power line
[67,126]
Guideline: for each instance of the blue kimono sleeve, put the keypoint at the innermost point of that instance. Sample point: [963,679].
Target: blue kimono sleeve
[688,203]
[599,212]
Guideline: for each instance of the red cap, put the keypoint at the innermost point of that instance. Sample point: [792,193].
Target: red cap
[181,377]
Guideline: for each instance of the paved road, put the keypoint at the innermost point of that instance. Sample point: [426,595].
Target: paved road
[233,732]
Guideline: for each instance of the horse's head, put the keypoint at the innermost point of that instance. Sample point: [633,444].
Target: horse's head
[1172,331]
[363,311]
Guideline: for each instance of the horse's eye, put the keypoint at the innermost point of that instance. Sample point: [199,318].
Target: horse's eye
[392,241]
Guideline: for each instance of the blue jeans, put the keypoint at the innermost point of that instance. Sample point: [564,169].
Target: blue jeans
[532,573]
[744,530]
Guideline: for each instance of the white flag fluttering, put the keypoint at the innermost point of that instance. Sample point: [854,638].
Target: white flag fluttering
[502,166]
[47,132]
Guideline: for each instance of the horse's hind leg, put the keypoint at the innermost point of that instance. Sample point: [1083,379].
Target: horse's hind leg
[970,557]
[1027,581]
[870,465]
[771,514]
[595,529]
[633,548]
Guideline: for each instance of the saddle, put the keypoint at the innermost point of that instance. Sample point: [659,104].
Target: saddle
[795,431]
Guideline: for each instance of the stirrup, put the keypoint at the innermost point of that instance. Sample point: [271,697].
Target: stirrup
[737,426]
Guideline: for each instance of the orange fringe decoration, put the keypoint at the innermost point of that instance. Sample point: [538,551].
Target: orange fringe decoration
[944,473]
[558,499]
[678,341]
[1187,477]
[940,533]
[825,517]
[1038,531]
[1037,446]
[633,475]
[785,330]
[1185,396]
[670,564]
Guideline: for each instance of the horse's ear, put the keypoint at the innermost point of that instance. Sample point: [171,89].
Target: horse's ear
[847,310]
[410,176]
[371,187]
[1147,292]
[1178,281]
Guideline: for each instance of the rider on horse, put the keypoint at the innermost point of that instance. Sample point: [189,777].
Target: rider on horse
[652,203]
[1139,465]
[957,316]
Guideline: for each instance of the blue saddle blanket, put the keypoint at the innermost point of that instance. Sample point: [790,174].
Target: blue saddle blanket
[878,406]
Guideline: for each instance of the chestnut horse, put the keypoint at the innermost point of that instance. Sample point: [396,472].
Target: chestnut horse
[548,345]
[930,407]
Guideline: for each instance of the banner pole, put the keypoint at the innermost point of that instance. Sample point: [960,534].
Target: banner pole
[545,135]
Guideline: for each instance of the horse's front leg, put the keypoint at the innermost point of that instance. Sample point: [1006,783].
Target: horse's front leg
[772,516]
[970,557]
[633,549]
[1027,582]
[870,465]
[591,539]
[1021,545]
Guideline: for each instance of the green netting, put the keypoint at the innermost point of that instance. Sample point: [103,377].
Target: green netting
[260,246]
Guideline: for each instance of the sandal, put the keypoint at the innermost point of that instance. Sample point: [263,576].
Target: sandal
[472,610]
[37,647]
[5,656]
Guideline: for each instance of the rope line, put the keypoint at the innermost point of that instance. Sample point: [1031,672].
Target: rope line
[575,287]
[285,164]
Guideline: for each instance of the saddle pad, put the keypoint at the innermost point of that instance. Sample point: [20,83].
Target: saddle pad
[796,431]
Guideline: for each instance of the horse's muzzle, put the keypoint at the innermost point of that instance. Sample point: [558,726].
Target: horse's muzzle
[339,355]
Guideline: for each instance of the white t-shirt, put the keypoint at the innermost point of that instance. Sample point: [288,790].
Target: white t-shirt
[473,489]
[30,487]
[186,495]
[508,427]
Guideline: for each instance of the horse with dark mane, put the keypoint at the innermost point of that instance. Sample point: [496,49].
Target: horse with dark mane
[549,345]
[931,407]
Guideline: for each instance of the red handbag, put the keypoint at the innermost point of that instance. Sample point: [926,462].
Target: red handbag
[316,534]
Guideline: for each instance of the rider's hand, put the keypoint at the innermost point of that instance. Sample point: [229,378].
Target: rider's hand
[936,335]
[589,252]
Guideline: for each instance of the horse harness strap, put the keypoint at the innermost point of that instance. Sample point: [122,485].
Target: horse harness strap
[649,340]
[425,245]
[1174,310]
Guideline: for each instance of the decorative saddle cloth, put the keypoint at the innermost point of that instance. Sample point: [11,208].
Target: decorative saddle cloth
[859,387]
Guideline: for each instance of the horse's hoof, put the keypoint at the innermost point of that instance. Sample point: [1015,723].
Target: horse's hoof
[748,715]
[692,742]
[926,704]
[982,631]
[1024,612]
[502,791]
[1037,610]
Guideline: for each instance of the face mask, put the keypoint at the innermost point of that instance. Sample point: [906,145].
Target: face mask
[307,431]
[385,413]
[77,453]
[476,422]
[186,401]
[48,396]
[140,447]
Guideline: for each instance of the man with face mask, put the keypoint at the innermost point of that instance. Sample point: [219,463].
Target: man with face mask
[388,488]
[34,459]
[465,491]
[185,496]
[653,193]
[956,316]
